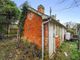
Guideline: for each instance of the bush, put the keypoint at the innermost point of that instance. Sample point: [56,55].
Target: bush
[30,48]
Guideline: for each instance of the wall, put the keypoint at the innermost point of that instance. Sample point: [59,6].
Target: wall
[32,28]
[63,33]
[51,42]
[46,35]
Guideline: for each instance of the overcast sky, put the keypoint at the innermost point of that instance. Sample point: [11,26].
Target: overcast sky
[58,8]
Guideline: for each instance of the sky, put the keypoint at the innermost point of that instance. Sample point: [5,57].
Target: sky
[59,7]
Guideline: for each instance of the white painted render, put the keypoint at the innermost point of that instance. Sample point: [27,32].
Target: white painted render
[54,34]
[55,40]
[51,42]
[60,34]
[53,30]
[63,32]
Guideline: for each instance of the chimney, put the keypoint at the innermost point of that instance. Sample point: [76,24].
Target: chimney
[41,9]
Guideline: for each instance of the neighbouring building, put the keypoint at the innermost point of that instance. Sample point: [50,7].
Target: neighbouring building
[42,29]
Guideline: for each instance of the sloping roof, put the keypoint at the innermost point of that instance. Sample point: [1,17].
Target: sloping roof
[57,22]
[60,24]
[44,16]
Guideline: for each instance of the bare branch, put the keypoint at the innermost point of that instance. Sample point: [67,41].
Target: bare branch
[73,4]
[61,1]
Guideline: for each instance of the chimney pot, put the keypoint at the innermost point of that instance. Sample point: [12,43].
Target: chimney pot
[41,9]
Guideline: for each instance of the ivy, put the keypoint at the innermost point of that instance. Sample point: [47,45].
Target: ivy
[24,12]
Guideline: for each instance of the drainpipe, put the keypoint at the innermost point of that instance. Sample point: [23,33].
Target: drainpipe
[43,37]
[42,41]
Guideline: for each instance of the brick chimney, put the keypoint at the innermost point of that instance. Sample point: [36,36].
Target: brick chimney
[41,9]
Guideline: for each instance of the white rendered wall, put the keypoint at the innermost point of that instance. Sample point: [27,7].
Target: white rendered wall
[51,42]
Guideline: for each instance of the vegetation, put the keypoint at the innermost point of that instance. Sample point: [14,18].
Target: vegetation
[10,50]
[10,10]
[8,13]
[26,51]
[7,49]
[70,48]
[24,12]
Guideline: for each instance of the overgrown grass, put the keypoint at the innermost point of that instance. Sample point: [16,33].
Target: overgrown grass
[75,54]
[7,49]
[70,48]
[28,51]
[25,51]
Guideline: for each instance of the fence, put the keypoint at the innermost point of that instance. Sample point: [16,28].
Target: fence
[7,30]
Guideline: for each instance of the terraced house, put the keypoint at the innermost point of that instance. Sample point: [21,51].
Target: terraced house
[43,30]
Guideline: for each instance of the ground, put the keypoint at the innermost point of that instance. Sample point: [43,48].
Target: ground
[10,51]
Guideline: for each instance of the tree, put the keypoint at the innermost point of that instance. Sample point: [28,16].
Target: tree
[24,11]
[71,27]
[9,8]
[8,13]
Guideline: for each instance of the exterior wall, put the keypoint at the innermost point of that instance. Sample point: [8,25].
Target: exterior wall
[51,42]
[32,28]
[57,37]
[57,30]
[60,32]
[54,30]
[46,33]
[63,34]
[54,34]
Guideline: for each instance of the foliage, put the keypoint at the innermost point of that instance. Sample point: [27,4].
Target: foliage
[71,27]
[26,51]
[75,54]
[7,49]
[8,13]
[9,8]
[71,30]
[24,12]
[70,48]
[30,48]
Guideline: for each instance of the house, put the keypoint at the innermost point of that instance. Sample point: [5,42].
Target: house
[42,29]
